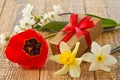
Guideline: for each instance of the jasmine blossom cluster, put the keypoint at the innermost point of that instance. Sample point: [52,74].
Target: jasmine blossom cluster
[28,20]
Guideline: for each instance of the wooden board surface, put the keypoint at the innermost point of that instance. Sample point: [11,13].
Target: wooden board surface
[10,13]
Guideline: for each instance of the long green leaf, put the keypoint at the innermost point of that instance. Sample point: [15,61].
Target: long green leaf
[106,22]
[54,26]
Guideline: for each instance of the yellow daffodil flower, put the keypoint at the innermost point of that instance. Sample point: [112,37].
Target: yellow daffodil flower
[101,58]
[71,64]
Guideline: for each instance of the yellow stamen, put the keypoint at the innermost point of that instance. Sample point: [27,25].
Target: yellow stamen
[66,57]
[100,58]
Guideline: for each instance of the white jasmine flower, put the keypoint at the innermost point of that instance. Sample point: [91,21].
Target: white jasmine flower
[27,22]
[53,16]
[17,29]
[45,16]
[3,40]
[44,21]
[67,58]
[27,10]
[57,9]
[101,58]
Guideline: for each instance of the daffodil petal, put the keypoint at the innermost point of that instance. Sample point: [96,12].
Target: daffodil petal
[106,49]
[62,71]
[55,58]
[88,57]
[94,66]
[104,67]
[76,48]
[78,61]
[110,60]
[64,47]
[74,71]
[98,66]
[95,48]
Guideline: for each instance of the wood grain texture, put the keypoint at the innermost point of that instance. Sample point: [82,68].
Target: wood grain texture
[99,9]
[95,7]
[112,9]
[9,18]
[2,3]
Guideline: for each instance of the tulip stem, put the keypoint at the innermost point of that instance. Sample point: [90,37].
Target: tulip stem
[116,49]
[50,35]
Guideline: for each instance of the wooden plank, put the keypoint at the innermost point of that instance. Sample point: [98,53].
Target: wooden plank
[95,7]
[9,17]
[47,72]
[113,11]
[2,3]
[98,8]
[31,74]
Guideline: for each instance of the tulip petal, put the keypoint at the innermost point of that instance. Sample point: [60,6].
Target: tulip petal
[88,57]
[74,71]
[62,71]
[64,47]
[110,60]
[95,48]
[76,48]
[55,58]
[106,50]
[78,61]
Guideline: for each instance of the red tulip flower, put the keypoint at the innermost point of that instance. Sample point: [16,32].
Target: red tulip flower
[29,49]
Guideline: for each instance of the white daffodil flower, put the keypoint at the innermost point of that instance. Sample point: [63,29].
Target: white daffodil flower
[71,64]
[3,40]
[101,58]
[27,10]
[58,9]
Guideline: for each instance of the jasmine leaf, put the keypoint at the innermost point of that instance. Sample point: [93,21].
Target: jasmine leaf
[37,27]
[106,22]
[54,26]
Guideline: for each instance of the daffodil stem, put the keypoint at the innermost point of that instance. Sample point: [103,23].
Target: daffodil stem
[116,49]
[50,35]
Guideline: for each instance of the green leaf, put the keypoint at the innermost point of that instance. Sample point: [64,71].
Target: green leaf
[106,22]
[37,27]
[54,26]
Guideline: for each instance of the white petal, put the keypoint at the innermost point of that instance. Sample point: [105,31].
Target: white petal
[98,66]
[78,61]
[64,47]
[55,58]
[94,66]
[110,60]
[88,57]
[74,71]
[76,48]
[104,67]
[106,50]
[62,71]
[95,48]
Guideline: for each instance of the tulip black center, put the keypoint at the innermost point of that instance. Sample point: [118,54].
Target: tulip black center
[32,47]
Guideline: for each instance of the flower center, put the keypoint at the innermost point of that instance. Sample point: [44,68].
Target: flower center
[66,58]
[32,47]
[100,58]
